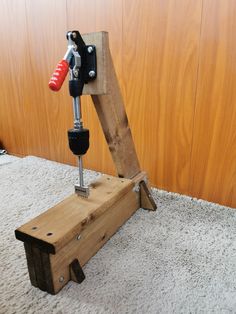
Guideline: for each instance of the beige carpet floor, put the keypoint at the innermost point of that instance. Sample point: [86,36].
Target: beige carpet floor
[180,259]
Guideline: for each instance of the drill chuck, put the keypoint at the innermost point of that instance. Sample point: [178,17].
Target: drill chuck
[78,141]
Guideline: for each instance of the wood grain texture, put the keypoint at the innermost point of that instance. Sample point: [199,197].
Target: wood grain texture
[213,162]
[58,225]
[48,116]
[14,54]
[160,71]
[175,62]
[98,86]
[113,118]
[93,237]
[77,228]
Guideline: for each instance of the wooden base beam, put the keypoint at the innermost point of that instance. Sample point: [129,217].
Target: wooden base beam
[61,240]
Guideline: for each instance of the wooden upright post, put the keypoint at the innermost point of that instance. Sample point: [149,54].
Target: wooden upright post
[113,118]
[110,108]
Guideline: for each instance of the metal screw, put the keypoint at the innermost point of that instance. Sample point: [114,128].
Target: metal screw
[90,49]
[76,73]
[92,73]
[136,188]
[61,279]
[78,237]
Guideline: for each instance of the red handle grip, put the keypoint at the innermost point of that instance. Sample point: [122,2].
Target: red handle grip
[59,76]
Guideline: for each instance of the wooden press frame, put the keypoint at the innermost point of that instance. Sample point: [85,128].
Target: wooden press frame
[61,240]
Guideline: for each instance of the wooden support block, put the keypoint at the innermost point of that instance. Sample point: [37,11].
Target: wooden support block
[76,271]
[30,263]
[76,229]
[100,85]
[146,199]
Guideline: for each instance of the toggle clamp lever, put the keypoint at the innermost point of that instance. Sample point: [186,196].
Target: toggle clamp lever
[80,61]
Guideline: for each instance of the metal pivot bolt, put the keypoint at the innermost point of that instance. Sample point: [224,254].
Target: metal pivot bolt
[90,49]
[92,73]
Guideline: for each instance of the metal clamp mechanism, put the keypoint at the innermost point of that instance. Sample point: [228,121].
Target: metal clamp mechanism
[80,60]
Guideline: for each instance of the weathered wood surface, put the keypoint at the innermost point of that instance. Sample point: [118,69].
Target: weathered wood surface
[113,118]
[78,228]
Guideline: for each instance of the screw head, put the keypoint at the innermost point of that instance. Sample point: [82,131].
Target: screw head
[61,279]
[90,49]
[78,237]
[76,73]
[92,73]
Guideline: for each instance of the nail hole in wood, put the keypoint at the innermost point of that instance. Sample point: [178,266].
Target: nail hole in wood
[49,234]
[34,228]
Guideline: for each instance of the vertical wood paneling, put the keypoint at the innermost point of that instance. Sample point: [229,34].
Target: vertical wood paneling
[47,117]
[14,54]
[213,164]
[161,41]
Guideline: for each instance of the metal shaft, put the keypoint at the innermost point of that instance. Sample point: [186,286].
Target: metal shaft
[78,124]
[81,175]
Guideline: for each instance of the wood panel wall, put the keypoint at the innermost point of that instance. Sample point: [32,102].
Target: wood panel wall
[176,63]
